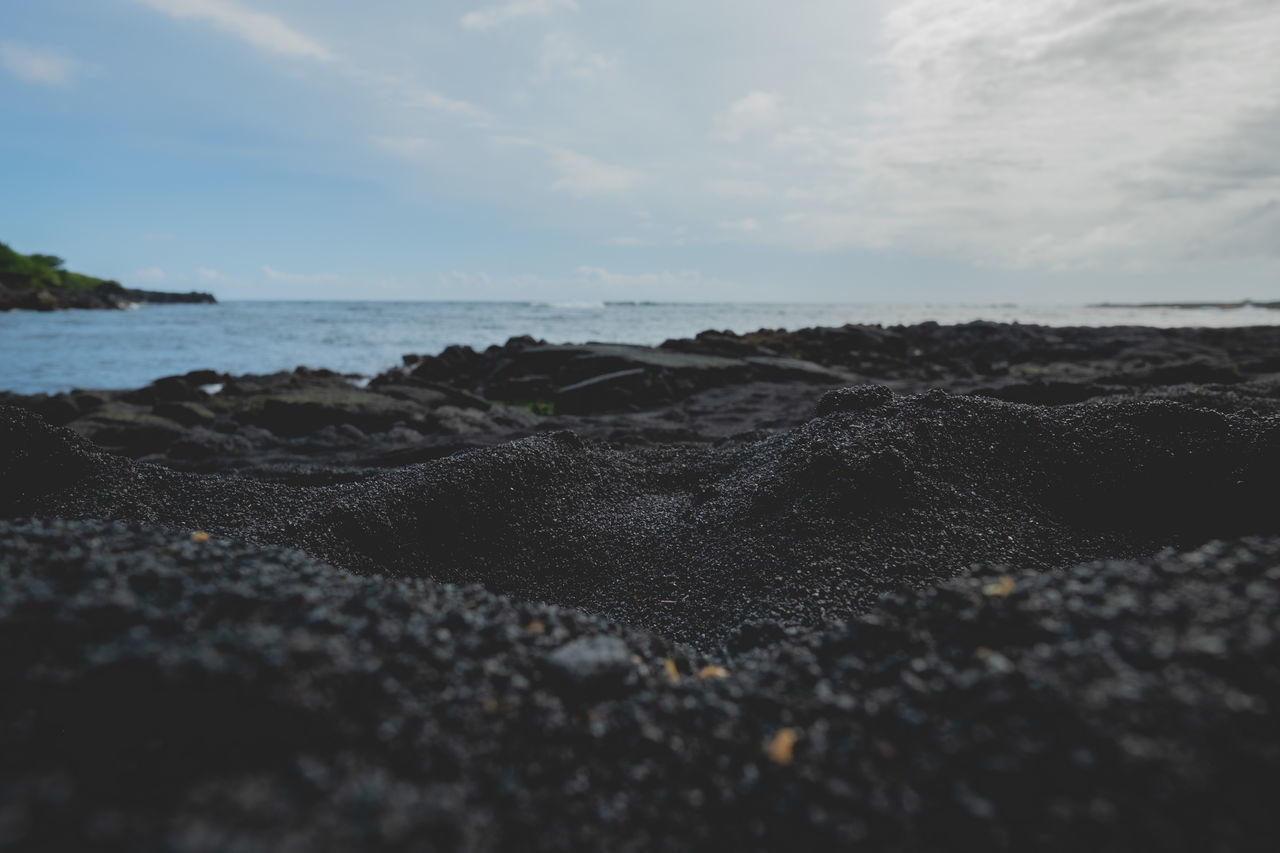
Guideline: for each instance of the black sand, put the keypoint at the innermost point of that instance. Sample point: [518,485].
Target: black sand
[917,651]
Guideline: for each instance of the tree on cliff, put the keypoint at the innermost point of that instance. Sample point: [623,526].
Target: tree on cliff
[39,272]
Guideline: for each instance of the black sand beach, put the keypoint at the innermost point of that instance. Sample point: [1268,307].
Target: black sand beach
[918,588]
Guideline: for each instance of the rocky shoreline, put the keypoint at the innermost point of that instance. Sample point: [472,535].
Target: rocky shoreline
[107,295]
[916,588]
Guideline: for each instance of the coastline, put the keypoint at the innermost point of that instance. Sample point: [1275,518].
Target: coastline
[107,295]
[914,587]
[692,390]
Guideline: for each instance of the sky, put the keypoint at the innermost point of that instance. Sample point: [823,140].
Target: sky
[969,151]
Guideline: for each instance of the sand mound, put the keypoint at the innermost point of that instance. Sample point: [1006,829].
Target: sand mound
[795,529]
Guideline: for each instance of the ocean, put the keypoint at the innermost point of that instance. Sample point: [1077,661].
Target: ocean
[58,351]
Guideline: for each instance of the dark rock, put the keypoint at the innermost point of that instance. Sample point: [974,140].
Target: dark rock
[187,414]
[593,663]
[456,364]
[201,444]
[60,409]
[87,401]
[127,429]
[335,436]
[197,378]
[299,412]
[456,421]
[14,294]
[457,397]
[170,389]
[428,398]
[774,369]
[620,390]
[531,388]
[114,291]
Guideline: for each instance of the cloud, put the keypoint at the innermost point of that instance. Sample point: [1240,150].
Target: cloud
[150,274]
[1042,134]
[560,55]
[404,147]
[1256,233]
[682,283]
[1058,133]
[754,112]
[505,141]
[256,28]
[739,188]
[589,284]
[294,278]
[433,100]
[39,65]
[581,175]
[745,226]
[494,16]
[207,274]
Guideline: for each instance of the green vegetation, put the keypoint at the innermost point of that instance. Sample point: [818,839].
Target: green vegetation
[542,408]
[40,272]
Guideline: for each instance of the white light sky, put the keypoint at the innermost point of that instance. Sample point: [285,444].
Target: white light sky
[886,150]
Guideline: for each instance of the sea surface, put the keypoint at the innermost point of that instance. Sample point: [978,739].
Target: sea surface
[61,350]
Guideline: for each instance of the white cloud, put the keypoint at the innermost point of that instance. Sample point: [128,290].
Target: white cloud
[494,16]
[1059,133]
[404,147]
[39,65]
[561,55]
[295,278]
[754,112]
[581,175]
[207,274]
[257,28]
[1040,134]
[433,100]
[150,274]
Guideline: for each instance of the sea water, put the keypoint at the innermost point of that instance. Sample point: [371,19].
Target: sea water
[61,350]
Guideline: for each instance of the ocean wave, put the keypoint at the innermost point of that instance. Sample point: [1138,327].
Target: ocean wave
[577,306]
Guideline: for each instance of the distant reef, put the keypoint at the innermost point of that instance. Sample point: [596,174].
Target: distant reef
[39,283]
[1244,303]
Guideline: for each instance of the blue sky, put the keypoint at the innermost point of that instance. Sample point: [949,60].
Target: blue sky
[884,150]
